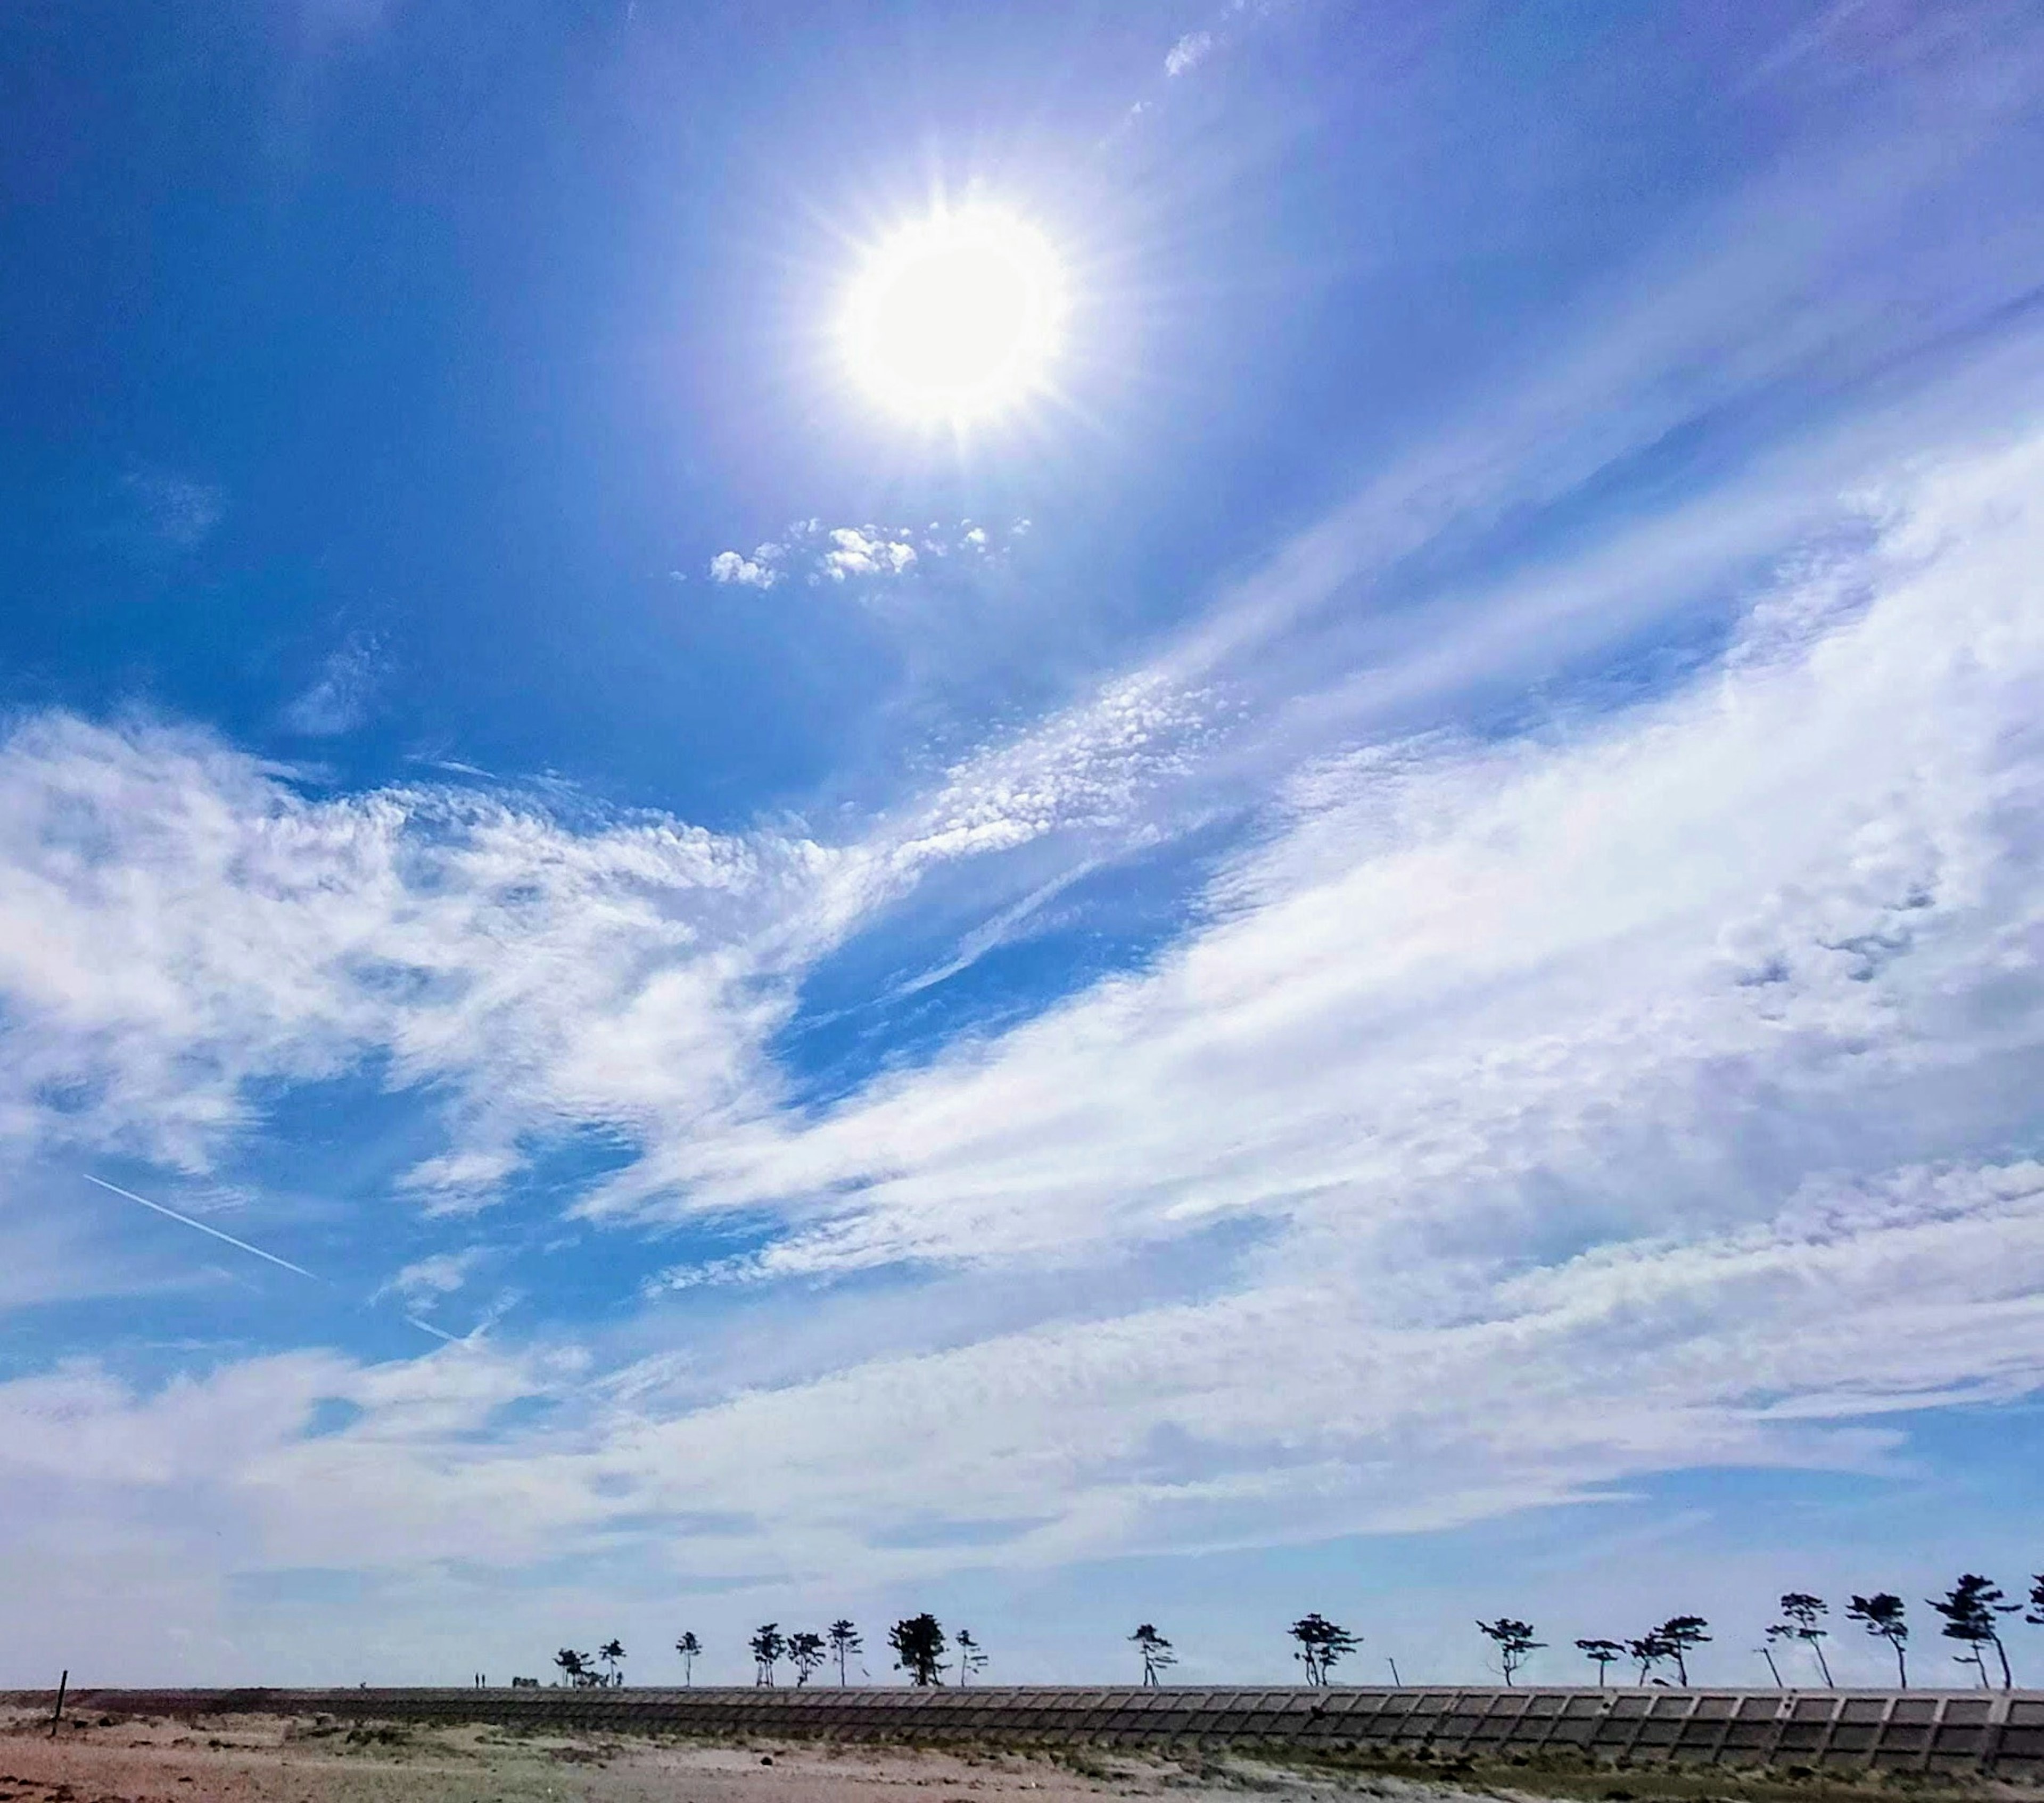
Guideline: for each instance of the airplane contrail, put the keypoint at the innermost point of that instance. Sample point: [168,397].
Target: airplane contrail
[242,1245]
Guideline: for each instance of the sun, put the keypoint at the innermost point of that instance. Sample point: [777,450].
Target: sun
[955,317]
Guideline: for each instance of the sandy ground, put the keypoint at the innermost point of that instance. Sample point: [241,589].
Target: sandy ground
[272,1759]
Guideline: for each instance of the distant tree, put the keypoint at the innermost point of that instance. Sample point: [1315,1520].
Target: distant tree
[1800,1613]
[612,1653]
[844,1641]
[2035,1617]
[1156,1652]
[1321,1643]
[1969,1609]
[1600,1653]
[1648,1651]
[688,1647]
[574,1666]
[972,1656]
[805,1652]
[1882,1615]
[1682,1635]
[919,1645]
[1514,1640]
[767,1645]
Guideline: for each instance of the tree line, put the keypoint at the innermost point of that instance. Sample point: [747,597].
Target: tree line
[1972,1613]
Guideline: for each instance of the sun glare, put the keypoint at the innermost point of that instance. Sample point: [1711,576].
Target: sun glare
[955,317]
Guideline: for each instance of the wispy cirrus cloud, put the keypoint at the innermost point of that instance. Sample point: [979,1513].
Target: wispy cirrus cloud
[338,699]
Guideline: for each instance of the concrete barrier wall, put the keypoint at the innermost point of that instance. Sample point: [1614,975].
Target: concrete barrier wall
[1999,1733]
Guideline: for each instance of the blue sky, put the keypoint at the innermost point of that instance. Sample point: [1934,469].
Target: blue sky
[1379,952]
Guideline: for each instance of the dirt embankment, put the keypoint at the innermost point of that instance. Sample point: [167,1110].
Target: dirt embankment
[269,1758]
[272,1759]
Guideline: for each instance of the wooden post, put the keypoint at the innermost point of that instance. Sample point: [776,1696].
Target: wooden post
[57,1715]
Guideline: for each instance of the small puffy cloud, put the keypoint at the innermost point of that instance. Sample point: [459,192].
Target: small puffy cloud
[853,553]
[758,571]
[1188,52]
[839,554]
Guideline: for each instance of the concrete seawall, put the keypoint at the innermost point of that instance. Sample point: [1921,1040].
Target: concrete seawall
[1997,1734]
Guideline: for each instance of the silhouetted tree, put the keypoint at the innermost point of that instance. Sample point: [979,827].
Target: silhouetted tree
[972,1656]
[1801,1612]
[1514,1640]
[1156,1652]
[918,1646]
[1648,1651]
[1321,1643]
[844,1641]
[1600,1653]
[688,1647]
[612,1653]
[767,1645]
[1882,1614]
[1682,1635]
[2035,1617]
[1969,1609]
[805,1652]
[574,1666]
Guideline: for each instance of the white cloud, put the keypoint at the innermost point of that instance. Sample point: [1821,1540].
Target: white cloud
[179,923]
[839,553]
[338,701]
[1587,1095]
[424,1281]
[758,571]
[852,553]
[1188,52]
[1457,962]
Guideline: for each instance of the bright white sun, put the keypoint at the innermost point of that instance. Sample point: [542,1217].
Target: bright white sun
[957,316]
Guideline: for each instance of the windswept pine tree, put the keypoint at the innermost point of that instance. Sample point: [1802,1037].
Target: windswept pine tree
[844,1641]
[1514,1641]
[1156,1650]
[1800,1614]
[1882,1615]
[1648,1651]
[1681,1635]
[767,1644]
[1321,1643]
[688,1647]
[1970,1608]
[971,1657]
[1601,1653]
[805,1653]
[919,1645]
